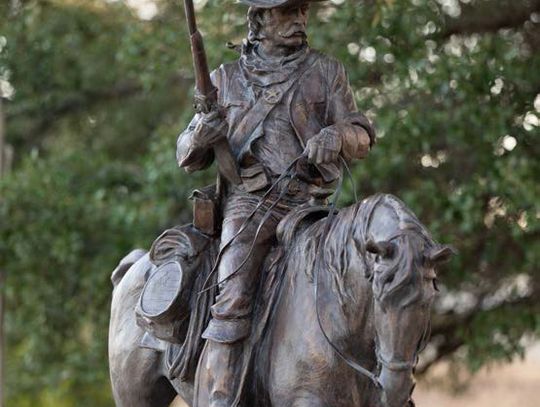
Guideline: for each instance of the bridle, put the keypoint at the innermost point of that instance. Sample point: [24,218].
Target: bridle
[395,365]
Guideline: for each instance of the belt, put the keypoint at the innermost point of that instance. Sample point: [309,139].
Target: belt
[301,189]
[255,180]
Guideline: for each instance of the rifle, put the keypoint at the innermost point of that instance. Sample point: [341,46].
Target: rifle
[205,99]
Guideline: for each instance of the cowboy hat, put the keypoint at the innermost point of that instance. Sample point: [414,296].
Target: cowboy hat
[275,3]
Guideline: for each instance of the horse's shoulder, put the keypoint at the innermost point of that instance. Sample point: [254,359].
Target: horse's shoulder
[125,264]
[292,223]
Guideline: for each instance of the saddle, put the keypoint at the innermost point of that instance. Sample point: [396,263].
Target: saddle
[174,306]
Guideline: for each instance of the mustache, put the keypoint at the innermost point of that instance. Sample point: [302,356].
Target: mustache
[293,31]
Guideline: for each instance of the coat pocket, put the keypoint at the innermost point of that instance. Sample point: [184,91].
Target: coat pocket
[254,178]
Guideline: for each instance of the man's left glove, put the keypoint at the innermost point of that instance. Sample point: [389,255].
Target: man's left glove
[324,147]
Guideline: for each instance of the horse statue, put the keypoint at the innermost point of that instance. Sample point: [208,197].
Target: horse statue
[349,319]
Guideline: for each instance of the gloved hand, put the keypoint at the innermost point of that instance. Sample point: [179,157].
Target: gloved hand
[324,147]
[211,128]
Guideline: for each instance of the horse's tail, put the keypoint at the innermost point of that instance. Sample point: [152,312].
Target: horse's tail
[125,264]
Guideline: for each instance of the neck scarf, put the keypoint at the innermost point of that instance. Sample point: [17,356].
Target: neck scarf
[263,70]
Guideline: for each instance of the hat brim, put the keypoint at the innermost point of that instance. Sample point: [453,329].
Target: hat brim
[276,3]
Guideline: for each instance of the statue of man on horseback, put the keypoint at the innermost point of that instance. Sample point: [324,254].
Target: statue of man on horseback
[280,100]
[271,298]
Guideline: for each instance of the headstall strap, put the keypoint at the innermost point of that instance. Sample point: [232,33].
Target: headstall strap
[395,365]
[402,232]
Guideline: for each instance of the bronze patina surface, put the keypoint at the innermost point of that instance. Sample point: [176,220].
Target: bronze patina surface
[281,301]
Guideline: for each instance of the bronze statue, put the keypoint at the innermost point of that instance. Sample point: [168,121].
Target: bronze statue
[270,298]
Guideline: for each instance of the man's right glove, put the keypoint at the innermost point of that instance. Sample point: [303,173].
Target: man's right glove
[211,128]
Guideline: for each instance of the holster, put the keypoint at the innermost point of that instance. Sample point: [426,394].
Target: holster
[206,209]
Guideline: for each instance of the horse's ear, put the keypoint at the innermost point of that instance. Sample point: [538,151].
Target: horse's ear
[439,255]
[383,248]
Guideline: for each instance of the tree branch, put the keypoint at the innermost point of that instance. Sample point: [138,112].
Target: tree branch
[446,326]
[85,100]
[490,16]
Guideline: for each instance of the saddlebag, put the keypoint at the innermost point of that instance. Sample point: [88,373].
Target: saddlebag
[174,305]
[164,305]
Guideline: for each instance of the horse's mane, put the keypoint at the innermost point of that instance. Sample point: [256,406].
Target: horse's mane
[351,226]
[400,282]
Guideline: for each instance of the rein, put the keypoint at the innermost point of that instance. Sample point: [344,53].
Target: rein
[289,172]
[328,223]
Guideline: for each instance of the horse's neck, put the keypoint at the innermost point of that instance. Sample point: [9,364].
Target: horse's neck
[344,292]
[354,305]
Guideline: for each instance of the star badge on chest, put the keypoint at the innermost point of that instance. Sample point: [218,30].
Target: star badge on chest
[272,96]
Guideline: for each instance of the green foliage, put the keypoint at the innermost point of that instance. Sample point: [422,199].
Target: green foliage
[99,96]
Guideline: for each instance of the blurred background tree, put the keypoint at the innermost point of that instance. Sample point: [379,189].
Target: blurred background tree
[97,90]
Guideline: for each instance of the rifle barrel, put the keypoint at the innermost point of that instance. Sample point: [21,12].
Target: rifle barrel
[202,74]
[204,86]
[190,16]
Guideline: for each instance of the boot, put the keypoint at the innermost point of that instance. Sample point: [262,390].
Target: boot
[224,371]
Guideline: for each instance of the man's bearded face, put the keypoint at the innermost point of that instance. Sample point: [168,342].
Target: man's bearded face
[286,26]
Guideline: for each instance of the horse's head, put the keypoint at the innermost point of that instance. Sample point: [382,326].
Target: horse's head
[401,259]
[403,288]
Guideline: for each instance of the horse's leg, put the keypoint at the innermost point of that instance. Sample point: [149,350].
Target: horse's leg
[145,387]
[137,374]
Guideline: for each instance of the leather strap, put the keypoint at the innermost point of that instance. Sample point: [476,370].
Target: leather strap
[270,98]
[226,162]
